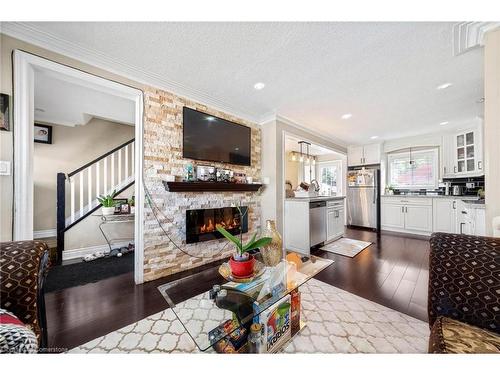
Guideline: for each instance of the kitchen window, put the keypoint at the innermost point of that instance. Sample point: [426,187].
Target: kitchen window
[309,174]
[328,177]
[414,169]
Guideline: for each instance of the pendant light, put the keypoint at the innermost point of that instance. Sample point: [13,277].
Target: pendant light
[305,144]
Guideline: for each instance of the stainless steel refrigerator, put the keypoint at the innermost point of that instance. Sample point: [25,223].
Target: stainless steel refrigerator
[363,198]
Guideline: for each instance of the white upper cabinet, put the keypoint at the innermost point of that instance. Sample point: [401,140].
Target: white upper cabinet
[448,162]
[363,155]
[354,155]
[463,153]
[372,153]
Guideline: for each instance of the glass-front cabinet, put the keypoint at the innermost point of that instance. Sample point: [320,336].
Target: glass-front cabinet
[468,159]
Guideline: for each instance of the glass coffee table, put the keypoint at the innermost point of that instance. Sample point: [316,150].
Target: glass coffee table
[221,317]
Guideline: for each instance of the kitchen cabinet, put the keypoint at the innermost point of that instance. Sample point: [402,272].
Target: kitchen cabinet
[447,161]
[418,218]
[444,212]
[471,219]
[372,154]
[355,155]
[462,153]
[363,155]
[307,222]
[425,215]
[412,215]
[334,220]
[392,215]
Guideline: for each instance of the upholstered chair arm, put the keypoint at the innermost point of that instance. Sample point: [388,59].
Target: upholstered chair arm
[464,279]
[23,267]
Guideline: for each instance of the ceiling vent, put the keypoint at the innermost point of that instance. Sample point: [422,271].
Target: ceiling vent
[469,35]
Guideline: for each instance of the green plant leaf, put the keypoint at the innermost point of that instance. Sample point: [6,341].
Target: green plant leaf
[250,242]
[259,243]
[229,236]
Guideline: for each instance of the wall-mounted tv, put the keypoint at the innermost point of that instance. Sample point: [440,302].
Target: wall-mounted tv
[210,138]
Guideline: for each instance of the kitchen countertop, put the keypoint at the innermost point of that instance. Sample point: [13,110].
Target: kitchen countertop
[315,199]
[469,199]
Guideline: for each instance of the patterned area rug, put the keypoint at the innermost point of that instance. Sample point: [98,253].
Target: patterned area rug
[337,322]
[346,246]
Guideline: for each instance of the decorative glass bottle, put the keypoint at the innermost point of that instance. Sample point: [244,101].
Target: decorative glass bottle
[273,252]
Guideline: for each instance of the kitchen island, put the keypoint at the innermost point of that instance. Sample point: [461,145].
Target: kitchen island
[311,221]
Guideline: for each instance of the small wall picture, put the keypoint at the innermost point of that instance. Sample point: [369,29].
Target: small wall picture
[43,134]
[125,208]
[4,112]
[119,202]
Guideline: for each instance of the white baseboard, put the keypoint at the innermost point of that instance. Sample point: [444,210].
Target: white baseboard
[81,252]
[44,233]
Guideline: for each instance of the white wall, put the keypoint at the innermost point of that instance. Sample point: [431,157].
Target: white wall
[273,163]
[292,170]
[492,126]
[71,148]
[269,165]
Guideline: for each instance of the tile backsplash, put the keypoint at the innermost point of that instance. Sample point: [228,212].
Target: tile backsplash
[462,181]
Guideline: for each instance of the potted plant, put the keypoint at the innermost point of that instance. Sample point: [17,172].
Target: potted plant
[108,203]
[131,203]
[241,262]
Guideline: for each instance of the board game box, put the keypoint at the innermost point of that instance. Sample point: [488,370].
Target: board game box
[276,323]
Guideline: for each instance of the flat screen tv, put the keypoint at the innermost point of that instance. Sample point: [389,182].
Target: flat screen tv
[210,138]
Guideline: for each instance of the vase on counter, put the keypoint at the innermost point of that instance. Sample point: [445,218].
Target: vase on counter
[272,253]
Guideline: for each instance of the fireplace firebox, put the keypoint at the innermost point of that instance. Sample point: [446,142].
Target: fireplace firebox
[200,224]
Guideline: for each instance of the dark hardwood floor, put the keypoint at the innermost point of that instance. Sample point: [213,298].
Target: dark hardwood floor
[393,271]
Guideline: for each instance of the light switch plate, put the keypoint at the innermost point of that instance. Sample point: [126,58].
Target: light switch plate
[4,168]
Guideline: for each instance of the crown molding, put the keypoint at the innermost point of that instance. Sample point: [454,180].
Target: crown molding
[469,35]
[275,117]
[271,116]
[28,33]
[304,128]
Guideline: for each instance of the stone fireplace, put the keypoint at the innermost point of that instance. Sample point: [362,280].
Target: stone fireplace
[200,224]
[163,157]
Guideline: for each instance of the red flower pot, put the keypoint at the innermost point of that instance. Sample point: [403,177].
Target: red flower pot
[242,268]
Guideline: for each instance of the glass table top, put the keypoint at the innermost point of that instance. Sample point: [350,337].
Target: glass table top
[228,308]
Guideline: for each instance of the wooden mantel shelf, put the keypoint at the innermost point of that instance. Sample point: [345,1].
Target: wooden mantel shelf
[177,186]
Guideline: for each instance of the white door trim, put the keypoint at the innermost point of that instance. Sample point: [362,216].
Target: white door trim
[24,68]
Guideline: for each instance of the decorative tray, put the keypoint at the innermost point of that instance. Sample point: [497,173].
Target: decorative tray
[225,271]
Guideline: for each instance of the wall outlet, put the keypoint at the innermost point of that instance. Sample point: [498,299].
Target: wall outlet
[4,168]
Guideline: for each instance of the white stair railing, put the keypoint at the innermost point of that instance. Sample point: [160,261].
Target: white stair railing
[99,178]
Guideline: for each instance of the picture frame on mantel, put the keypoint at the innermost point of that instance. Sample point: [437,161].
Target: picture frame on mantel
[4,112]
[43,134]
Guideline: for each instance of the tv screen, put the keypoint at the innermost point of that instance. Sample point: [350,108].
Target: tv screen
[210,138]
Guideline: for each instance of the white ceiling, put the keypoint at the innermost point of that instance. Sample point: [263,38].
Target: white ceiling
[62,101]
[385,74]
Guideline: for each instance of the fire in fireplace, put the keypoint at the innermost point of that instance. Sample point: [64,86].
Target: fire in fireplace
[200,224]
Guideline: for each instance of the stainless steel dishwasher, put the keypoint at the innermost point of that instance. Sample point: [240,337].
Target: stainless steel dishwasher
[317,222]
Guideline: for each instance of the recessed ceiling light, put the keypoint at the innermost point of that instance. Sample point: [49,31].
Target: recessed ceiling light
[444,123]
[374,137]
[346,116]
[444,86]
[259,86]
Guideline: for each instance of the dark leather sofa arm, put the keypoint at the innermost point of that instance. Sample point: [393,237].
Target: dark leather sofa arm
[23,267]
[464,279]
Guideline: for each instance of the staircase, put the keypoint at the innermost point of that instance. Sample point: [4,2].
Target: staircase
[109,172]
